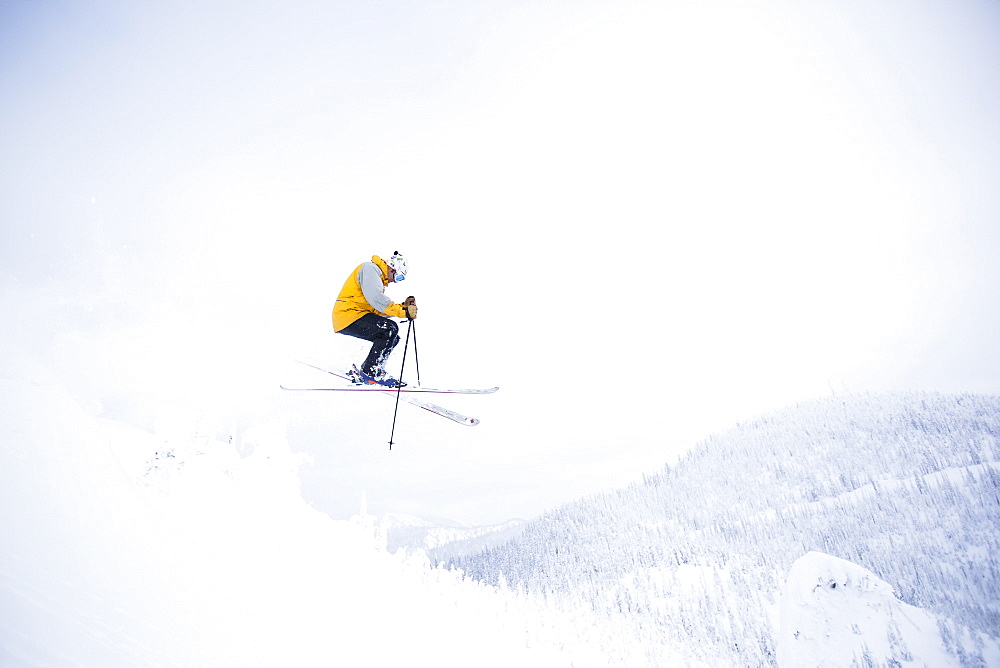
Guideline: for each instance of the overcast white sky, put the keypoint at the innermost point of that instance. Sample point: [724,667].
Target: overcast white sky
[643,220]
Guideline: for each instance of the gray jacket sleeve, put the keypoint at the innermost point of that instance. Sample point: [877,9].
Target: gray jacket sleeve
[370,278]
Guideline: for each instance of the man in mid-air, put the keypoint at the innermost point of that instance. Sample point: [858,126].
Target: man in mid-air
[363,311]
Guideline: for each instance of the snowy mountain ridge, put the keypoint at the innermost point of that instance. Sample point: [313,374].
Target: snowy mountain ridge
[409,531]
[953,477]
[173,546]
[904,486]
[821,591]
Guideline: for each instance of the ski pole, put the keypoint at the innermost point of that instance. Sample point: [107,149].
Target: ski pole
[399,388]
[416,356]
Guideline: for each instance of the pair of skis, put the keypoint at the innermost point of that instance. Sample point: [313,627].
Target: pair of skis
[411,395]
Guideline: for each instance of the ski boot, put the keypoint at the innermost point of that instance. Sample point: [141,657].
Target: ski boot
[384,380]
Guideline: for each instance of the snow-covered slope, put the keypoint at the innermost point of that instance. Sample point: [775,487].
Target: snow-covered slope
[835,613]
[173,546]
[124,547]
[905,486]
[444,538]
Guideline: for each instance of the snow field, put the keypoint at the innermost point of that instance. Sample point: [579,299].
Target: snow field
[173,546]
[835,613]
[124,547]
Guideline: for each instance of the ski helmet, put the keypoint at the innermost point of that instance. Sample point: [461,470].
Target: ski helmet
[398,264]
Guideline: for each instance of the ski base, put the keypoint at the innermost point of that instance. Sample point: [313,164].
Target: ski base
[393,390]
[440,410]
[381,388]
[404,393]
[408,398]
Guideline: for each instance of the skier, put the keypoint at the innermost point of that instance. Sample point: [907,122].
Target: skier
[363,311]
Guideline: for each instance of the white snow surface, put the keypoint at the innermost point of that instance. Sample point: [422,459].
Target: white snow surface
[835,613]
[404,530]
[123,547]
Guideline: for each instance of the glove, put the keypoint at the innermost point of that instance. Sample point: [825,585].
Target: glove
[410,306]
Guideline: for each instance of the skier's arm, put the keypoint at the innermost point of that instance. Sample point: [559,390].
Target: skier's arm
[370,279]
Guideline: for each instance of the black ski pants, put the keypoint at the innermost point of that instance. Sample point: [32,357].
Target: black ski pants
[384,335]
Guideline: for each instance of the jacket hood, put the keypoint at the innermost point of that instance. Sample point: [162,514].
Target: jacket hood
[383,267]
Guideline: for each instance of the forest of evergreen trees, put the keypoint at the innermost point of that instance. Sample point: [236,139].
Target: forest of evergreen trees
[906,485]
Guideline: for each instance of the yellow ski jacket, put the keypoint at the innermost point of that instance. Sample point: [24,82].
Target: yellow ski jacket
[364,292]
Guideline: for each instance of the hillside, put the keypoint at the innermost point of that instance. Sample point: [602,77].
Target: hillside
[120,540]
[443,537]
[127,547]
[905,486]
